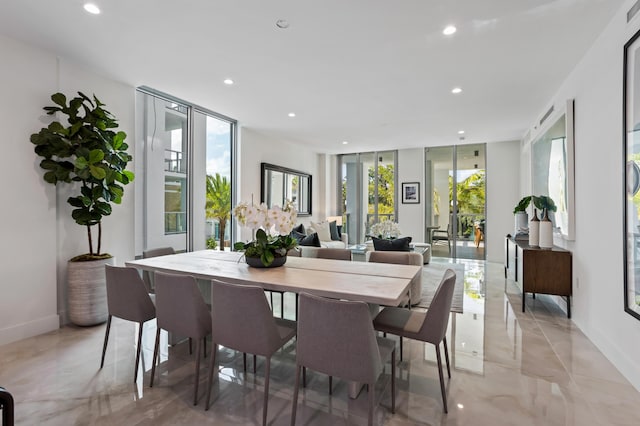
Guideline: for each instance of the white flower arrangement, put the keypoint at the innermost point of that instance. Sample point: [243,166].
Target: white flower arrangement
[274,221]
[385,229]
[273,228]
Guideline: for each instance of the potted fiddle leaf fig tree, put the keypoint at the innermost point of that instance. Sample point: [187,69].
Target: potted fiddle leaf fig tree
[83,148]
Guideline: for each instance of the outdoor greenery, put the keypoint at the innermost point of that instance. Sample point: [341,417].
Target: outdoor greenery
[88,151]
[470,195]
[386,189]
[218,204]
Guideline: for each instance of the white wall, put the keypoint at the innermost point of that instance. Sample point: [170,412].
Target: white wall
[28,213]
[411,216]
[596,86]
[255,148]
[503,193]
[37,220]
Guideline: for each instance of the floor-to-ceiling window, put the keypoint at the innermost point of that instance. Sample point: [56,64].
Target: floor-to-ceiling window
[455,200]
[186,176]
[367,191]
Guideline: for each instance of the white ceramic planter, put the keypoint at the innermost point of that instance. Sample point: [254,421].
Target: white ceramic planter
[521,223]
[87,291]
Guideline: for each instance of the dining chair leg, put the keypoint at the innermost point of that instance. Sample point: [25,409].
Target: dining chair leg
[155,356]
[330,385]
[400,337]
[371,389]
[304,377]
[444,395]
[255,362]
[190,346]
[212,366]
[446,356]
[244,361]
[197,373]
[393,381]
[138,351]
[295,395]
[204,342]
[106,340]
[266,390]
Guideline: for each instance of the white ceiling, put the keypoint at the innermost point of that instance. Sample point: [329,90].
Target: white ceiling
[376,73]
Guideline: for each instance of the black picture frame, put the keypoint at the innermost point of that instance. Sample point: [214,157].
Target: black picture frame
[631,162]
[410,192]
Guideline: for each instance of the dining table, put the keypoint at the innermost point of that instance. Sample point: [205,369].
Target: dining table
[376,283]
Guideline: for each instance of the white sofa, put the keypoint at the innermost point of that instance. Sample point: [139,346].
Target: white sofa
[310,251]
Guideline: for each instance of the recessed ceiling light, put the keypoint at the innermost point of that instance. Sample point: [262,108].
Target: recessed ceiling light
[345,142]
[92,8]
[292,114]
[282,23]
[228,81]
[461,132]
[460,406]
[450,29]
[456,90]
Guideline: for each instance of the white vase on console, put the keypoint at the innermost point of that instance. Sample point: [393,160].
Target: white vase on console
[546,232]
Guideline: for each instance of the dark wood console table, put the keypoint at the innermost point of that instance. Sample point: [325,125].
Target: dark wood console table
[536,270]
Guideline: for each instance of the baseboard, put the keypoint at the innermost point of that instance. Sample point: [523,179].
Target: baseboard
[24,330]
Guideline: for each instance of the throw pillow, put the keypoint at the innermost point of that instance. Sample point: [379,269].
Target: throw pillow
[399,244]
[298,236]
[322,229]
[310,240]
[333,229]
[300,229]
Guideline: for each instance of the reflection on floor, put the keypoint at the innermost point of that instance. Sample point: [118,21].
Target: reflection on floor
[465,249]
[509,367]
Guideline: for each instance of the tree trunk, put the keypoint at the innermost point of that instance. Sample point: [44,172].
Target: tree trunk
[99,237]
[90,241]
[223,225]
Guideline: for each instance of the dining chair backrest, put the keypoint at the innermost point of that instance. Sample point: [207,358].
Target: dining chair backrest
[147,276]
[127,296]
[179,306]
[437,318]
[402,258]
[242,320]
[336,337]
[333,253]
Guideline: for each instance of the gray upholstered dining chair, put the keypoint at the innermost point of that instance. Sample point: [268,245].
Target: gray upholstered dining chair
[242,320]
[429,326]
[160,251]
[402,258]
[180,309]
[333,253]
[336,337]
[127,298]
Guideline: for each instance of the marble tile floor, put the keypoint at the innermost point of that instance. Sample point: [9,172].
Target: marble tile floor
[509,368]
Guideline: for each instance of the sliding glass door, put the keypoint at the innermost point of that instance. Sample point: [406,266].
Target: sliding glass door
[455,206]
[185,176]
[367,191]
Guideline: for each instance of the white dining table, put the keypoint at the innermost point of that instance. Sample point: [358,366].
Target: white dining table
[376,283]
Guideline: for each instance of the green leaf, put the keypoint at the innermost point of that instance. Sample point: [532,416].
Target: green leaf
[103,208]
[75,202]
[95,156]
[129,175]
[50,177]
[81,163]
[59,99]
[97,172]
[57,127]
[118,140]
